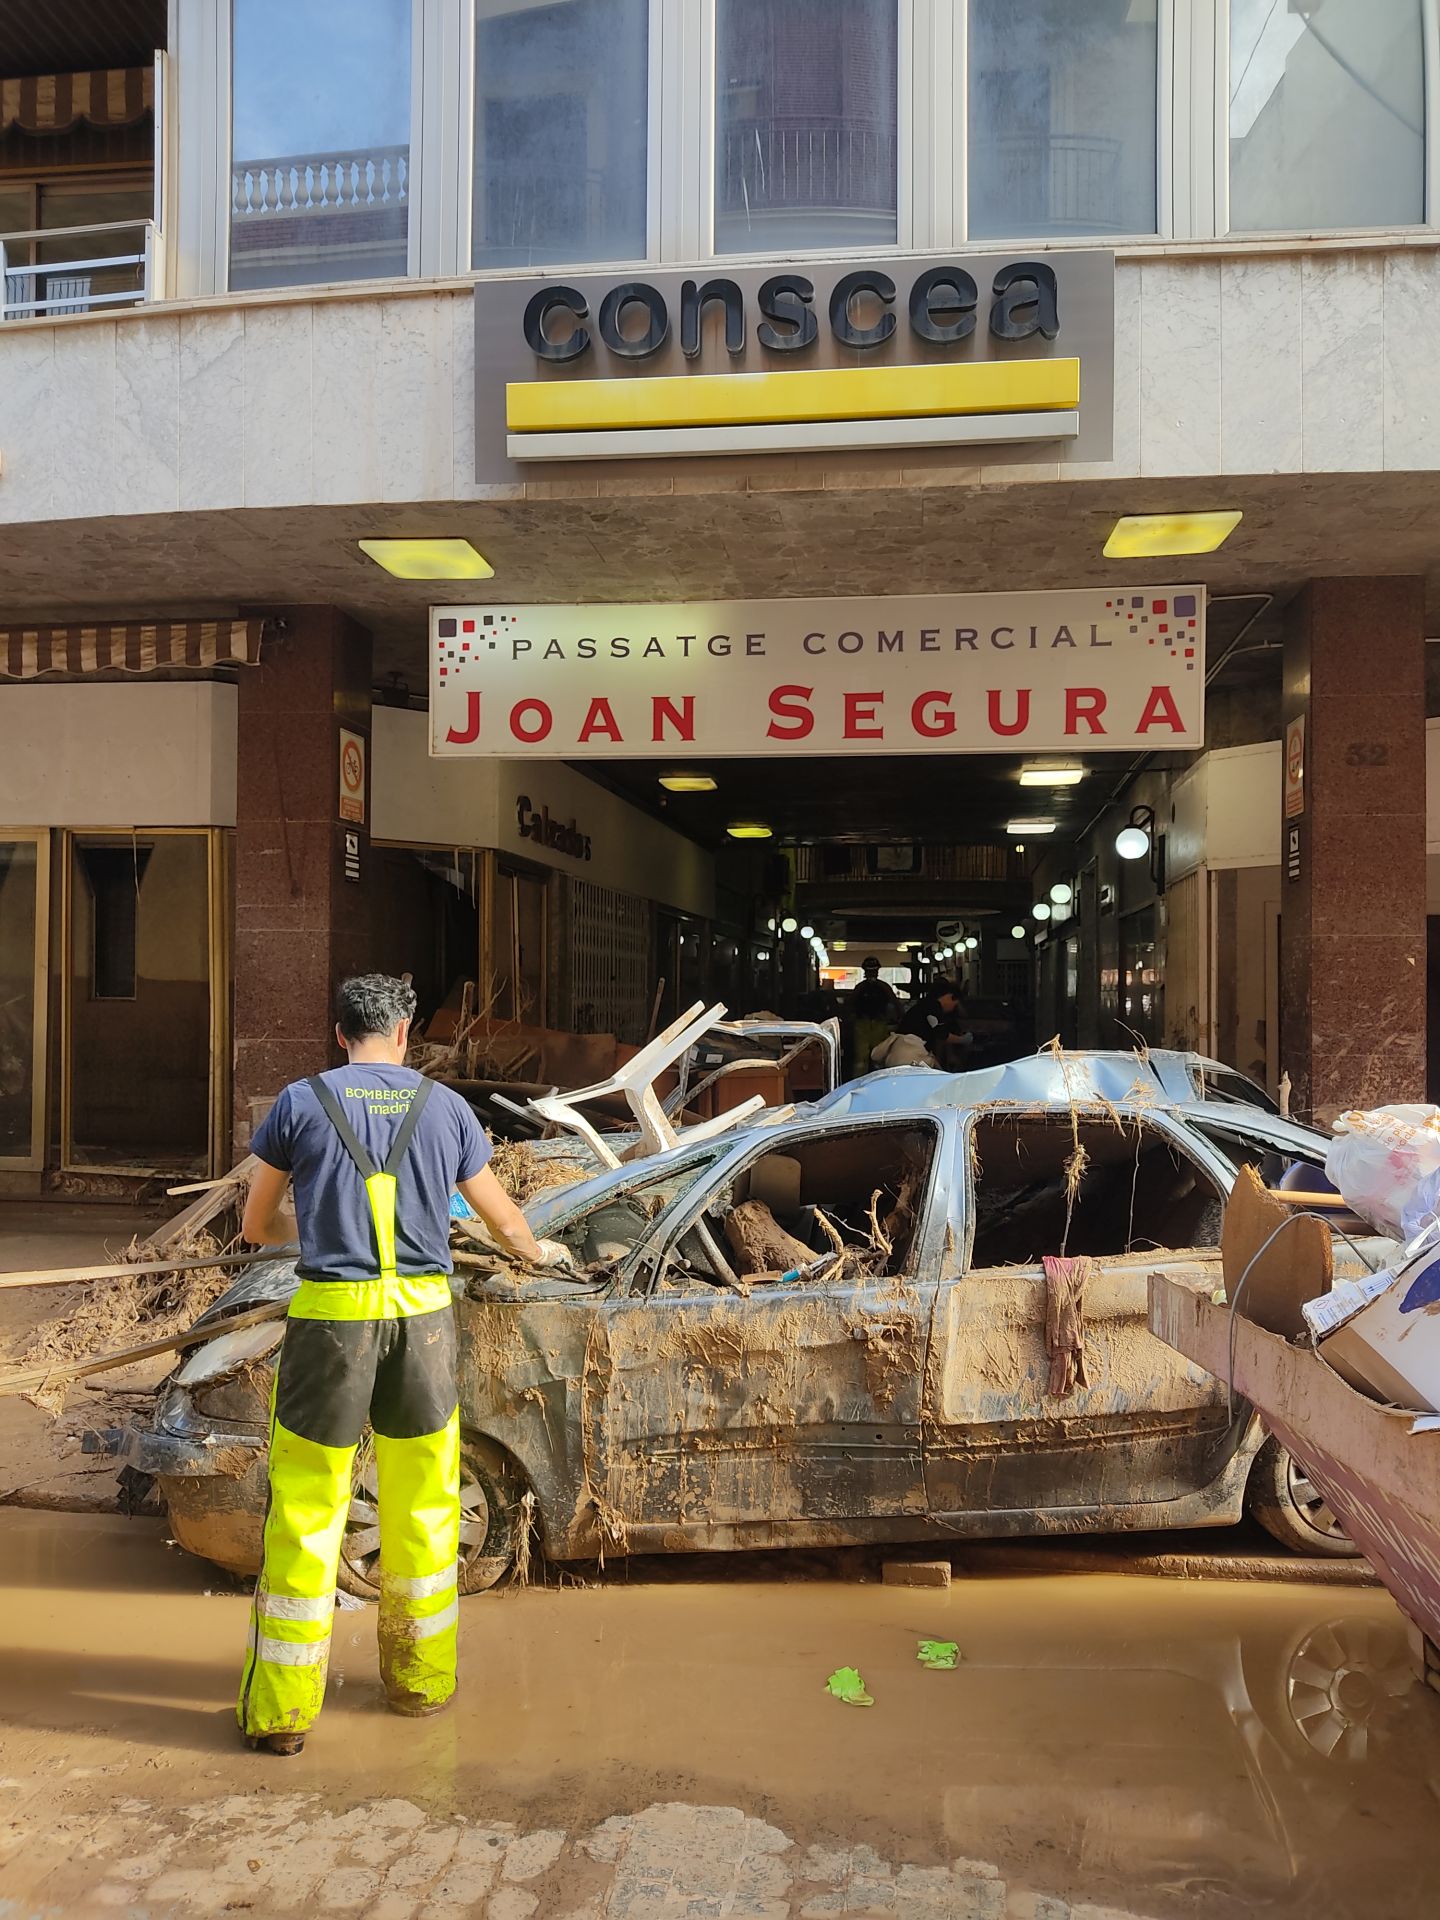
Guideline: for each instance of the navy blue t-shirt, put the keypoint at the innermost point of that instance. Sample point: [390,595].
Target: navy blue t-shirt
[337,1238]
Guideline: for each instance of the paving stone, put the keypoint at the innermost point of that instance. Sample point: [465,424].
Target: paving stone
[535,1853]
[511,1903]
[348,1888]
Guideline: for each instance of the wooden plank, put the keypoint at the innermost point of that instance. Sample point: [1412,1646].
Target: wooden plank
[121,1269]
[34,1378]
[201,1212]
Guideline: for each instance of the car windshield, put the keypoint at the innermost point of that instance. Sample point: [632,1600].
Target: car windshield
[1274,1166]
[1226,1086]
[612,1225]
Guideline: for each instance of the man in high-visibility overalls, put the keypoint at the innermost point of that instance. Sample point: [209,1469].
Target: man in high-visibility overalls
[374,1151]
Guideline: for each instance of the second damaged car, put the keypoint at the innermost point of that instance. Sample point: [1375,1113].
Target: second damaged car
[836,1327]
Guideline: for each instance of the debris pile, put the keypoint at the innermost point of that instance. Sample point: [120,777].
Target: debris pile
[113,1311]
[523,1173]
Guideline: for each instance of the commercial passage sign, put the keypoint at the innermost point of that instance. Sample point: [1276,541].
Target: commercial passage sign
[1087,671]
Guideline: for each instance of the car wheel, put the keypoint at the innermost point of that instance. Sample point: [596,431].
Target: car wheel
[1338,1679]
[1288,1504]
[495,1519]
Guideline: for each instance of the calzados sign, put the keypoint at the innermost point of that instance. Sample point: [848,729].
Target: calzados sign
[943,673]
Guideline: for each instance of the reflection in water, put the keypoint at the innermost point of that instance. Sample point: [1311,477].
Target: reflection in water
[1162,1749]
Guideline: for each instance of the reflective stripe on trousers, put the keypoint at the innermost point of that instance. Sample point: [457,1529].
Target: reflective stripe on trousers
[382,1350]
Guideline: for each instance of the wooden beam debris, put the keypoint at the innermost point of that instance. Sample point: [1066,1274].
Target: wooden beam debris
[132,1269]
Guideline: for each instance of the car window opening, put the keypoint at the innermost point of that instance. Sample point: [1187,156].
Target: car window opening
[837,1207]
[1135,1191]
[613,1226]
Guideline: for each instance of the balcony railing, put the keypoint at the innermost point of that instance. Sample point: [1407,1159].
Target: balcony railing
[119,263]
[1056,183]
[306,183]
[774,165]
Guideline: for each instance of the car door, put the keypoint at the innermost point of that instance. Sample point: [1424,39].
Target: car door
[1148,1426]
[793,1407]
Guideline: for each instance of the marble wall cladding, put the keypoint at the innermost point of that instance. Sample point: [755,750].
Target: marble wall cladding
[211,381]
[1180,368]
[1342,369]
[1271,363]
[279,407]
[27,429]
[1412,361]
[146,450]
[1260,366]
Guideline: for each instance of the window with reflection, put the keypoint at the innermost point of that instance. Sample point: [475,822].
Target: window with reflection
[1327,115]
[805,124]
[561,119]
[1063,117]
[320,173]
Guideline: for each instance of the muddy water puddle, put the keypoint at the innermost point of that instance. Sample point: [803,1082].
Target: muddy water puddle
[633,1749]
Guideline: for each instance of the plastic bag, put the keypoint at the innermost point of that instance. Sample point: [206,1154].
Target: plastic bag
[1383,1160]
[1423,1212]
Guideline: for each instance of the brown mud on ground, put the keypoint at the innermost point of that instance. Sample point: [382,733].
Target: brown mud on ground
[40,1459]
[631,1751]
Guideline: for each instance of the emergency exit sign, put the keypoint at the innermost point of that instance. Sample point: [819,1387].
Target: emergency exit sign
[1094,670]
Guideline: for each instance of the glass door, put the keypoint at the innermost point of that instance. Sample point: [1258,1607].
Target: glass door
[24,974]
[143,1002]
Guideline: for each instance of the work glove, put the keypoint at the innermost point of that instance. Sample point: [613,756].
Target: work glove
[553,1254]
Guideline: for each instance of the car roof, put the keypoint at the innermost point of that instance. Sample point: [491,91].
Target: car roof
[1052,1077]
[1160,1078]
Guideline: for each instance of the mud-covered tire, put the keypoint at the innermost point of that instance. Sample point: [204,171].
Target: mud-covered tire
[494,1520]
[1281,1496]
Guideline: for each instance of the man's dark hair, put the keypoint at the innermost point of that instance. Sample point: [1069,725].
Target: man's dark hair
[373,1003]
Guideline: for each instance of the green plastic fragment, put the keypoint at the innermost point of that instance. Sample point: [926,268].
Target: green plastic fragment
[845,1683]
[941,1655]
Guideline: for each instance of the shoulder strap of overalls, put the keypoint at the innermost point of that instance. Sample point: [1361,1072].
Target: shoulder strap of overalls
[336,1115]
[400,1145]
[379,1181]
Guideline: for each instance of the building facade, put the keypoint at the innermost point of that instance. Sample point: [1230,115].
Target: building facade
[241,333]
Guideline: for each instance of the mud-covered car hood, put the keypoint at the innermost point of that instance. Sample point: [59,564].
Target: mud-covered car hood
[267,1280]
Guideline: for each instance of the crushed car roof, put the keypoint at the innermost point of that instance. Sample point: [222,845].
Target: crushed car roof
[1163,1077]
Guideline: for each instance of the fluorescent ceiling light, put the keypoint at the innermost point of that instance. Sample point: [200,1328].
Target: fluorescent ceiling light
[429,559]
[1051,776]
[1156,536]
[687,783]
[1017,829]
[748,830]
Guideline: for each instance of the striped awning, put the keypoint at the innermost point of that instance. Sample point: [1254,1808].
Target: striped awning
[56,102]
[130,647]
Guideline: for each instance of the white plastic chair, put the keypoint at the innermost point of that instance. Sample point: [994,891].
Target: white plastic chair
[636,1081]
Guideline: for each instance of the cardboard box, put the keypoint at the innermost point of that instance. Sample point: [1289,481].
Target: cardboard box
[1392,1355]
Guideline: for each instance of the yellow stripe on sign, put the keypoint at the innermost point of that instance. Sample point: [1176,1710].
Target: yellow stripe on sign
[753,399]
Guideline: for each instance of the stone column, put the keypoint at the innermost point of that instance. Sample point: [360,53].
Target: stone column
[1352,933]
[300,923]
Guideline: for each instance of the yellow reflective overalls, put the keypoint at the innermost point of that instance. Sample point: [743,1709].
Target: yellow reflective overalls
[382,1350]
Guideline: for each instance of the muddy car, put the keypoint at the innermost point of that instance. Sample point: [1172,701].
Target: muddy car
[890,1384]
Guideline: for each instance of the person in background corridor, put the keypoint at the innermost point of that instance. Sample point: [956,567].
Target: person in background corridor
[874,1009]
[374,1150]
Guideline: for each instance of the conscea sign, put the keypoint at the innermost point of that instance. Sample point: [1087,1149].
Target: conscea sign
[914,355]
[633,320]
